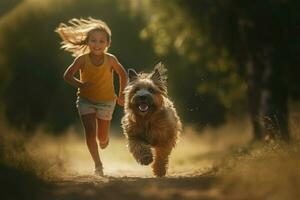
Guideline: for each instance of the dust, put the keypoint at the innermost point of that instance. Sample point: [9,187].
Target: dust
[66,156]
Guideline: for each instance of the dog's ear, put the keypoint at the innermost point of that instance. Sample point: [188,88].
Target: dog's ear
[132,74]
[159,73]
[159,76]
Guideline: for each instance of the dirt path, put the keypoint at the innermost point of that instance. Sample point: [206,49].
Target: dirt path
[188,175]
[91,188]
[63,170]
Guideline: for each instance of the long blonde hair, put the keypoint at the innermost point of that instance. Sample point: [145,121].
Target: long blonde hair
[75,35]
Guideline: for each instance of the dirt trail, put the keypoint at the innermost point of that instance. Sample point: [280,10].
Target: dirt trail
[64,170]
[71,176]
[90,187]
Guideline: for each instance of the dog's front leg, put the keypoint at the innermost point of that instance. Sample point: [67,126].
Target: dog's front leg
[160,164]
[140,151]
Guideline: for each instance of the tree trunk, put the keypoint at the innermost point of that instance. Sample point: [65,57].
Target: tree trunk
[253,79]
[267,99]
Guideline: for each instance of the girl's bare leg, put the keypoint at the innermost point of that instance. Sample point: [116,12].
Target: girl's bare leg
[102,132]
[89,124]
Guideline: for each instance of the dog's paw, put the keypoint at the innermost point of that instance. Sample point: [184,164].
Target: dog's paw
[146,160]
[159,171]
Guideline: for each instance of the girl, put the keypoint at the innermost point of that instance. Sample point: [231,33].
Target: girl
[89,40]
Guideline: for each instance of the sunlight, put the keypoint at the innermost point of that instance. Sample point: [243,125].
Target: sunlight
[68,156]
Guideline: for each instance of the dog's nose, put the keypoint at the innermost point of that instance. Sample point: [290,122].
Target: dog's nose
[142,97]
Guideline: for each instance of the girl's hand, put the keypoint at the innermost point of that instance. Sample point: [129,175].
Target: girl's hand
[86,85]
[120,101]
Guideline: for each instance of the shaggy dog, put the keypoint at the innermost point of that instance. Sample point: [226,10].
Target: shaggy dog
[150,123]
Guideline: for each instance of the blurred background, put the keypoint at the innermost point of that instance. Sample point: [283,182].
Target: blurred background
[233,74]
[226,60]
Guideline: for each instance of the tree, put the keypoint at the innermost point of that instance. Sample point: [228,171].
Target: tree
[259,36]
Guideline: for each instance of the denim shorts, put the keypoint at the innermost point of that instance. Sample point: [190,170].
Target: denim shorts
[103,110]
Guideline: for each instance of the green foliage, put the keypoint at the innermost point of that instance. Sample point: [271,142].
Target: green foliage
[214,84]
[6,5]
[201,42]
[220,38]
[33,93]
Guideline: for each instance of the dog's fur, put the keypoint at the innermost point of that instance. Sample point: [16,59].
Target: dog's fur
[150,121]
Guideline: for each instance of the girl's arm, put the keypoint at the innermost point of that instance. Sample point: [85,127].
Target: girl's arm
[71,70]
[116,65]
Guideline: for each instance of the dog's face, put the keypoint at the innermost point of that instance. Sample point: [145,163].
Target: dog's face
[144,93]
[144,97]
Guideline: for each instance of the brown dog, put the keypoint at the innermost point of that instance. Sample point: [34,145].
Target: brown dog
[150,121]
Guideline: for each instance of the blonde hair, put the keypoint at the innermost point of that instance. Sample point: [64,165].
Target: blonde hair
[75,36]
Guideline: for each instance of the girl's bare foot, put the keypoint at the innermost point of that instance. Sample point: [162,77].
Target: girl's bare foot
[99,170]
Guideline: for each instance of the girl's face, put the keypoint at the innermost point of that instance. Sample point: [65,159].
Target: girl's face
[97,42]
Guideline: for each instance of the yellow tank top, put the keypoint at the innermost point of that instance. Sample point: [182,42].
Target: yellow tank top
[102,79]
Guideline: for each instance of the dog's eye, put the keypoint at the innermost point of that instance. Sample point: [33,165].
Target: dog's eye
[151,90]
[136,89]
